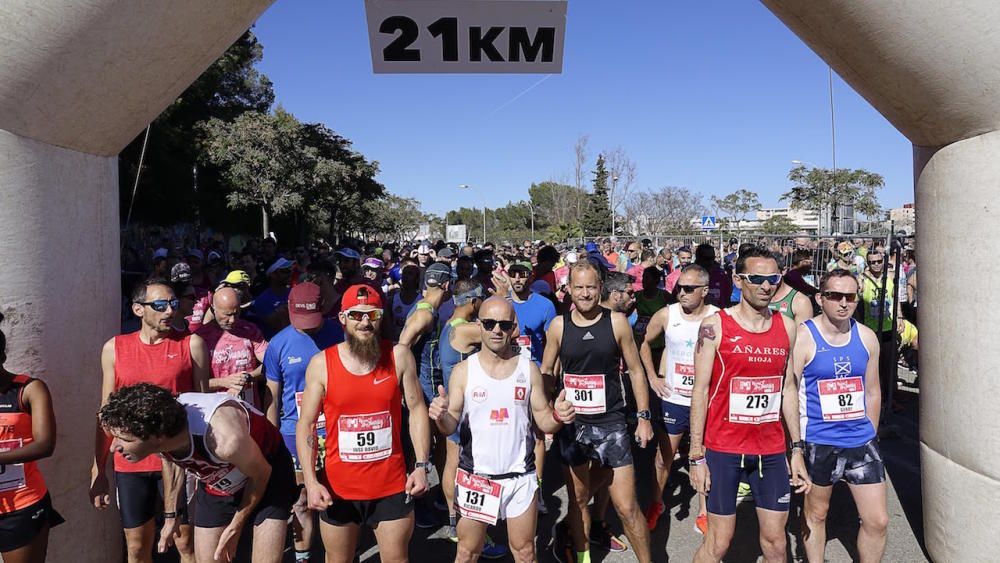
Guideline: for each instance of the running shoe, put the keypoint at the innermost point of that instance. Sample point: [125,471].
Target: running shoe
[653,513]
[493,550]
[602,537]
[744,493]
[701,524]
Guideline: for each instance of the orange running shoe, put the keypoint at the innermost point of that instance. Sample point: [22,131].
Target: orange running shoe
[653,513]
[701,524]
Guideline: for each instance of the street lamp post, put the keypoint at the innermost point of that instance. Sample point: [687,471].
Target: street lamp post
[468,187]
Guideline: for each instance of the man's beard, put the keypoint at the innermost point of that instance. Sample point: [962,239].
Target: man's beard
[365,349]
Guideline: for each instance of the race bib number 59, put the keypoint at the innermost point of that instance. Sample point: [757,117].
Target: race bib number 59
[478,498]
[586,392]
[365,437]
[755,400]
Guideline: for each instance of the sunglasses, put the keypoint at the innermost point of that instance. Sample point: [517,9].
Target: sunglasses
[758,279]
[837,296]
[690,288]
[520,274]
[160,305]
[876,261]
[358,316]
[490,324]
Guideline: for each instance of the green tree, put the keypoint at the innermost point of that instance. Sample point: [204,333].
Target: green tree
[343,180]
[264,161]
[737,206]
[779,225]
[597,218]
[165,195]
[394,217]
[823,190]
[556,203]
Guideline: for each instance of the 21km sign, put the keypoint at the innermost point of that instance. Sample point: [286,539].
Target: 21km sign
[466,36]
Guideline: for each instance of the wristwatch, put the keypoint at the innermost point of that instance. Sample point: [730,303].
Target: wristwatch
[800,445]
[425,465]
[643,414]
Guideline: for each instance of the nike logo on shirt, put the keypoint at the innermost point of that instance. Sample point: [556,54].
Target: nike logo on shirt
[384,379]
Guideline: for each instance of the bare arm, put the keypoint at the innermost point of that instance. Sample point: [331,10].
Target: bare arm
[418,324]
[790,390]
[653,331]
[550,357]
[228,437]
[200,364]
[43,426]
[873,390]
[173,484]
[312,399]
[541,410]
[704,360]
[447,423]
[465,336]
[272,408]
[801,308]
[102,442]
[420,430]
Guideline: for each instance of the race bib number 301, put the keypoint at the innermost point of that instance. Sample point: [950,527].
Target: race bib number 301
[477,497]
[842,399]
[365,437]
[586,392]
[755,400]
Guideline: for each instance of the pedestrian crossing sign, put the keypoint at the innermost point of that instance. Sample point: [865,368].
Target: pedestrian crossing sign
[708,223]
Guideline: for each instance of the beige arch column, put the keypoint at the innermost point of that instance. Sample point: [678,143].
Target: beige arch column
[78,80]
[931,69]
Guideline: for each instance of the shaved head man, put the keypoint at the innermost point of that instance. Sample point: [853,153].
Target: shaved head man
[236,349]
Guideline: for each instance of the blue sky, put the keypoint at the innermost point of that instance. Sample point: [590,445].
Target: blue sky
[712,95]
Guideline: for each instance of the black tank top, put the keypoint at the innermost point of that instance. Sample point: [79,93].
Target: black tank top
[593,350]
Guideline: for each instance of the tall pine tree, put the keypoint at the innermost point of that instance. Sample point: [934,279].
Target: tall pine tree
[597,218]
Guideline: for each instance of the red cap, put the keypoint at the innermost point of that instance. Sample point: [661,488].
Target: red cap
[304,306]
[361,295]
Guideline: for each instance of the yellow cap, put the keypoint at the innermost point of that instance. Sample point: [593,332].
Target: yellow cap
[237,277]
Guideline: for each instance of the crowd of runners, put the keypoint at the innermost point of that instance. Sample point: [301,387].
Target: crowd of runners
[309,392]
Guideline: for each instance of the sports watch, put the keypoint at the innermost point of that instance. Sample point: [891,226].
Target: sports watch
[425,465]
[644,414]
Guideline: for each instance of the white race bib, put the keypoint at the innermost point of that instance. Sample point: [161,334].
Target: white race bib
[683,382]
[522,346]
[320,420]
[11,475]
[477,497]
[365,437]
[586,392]
[755,400]
[842,399]
[228,480]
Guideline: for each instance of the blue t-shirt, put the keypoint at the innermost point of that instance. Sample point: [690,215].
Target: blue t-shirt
[533,319]
[264,304]
[285,362]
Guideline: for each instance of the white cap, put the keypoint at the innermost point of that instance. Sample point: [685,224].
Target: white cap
[571,257]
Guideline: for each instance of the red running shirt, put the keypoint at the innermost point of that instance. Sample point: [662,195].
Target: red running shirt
[21,484]
[167,364]
[364,454]
[744,400]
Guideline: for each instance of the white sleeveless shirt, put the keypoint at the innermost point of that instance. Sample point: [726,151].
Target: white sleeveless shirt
[495,430]
[681,337]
